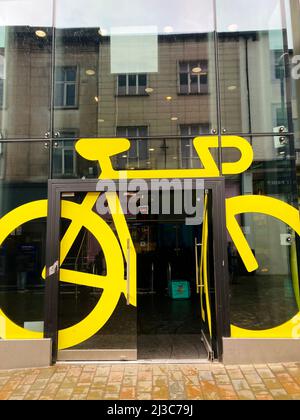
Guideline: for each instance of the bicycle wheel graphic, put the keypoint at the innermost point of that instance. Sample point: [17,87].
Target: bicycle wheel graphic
[284,213]
[113,284]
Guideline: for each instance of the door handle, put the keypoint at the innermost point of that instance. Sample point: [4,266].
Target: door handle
[197,266]
[128,272]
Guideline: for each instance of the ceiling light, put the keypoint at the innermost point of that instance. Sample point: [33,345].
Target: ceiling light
[90,72]
[168,29]
[124,156]
[197,70]
[149,90]
[97,99]
[233,28]
[151,150]
[169,98]
[40,33]
[174,119]
[231,88]
[101,120]
[102,32]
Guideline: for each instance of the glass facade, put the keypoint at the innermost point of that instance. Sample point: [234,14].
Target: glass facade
[160,75]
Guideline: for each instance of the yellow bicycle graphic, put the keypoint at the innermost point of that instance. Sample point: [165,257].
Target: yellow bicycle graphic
[114,284]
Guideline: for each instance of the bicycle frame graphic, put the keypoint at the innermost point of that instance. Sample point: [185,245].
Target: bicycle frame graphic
[114,284]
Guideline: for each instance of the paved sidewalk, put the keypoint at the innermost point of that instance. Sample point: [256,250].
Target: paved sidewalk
[157,382]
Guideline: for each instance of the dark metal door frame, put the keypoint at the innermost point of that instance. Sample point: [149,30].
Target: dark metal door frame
[221,278]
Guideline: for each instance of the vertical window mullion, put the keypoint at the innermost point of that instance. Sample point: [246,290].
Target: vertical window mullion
[128,153]
[65,94]
[63,160]
[138,146]
[189,78]
[74,162]
[65,88]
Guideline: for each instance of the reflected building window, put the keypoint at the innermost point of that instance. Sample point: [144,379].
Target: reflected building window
[64,155]
[132,84]
[2,77]
[66,87]
[279,64]
[1,92]
[138,154]
[193,77]
[189,156]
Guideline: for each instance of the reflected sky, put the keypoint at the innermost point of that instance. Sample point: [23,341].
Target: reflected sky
[169,16]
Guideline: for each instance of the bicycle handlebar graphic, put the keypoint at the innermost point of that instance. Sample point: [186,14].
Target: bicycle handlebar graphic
[102,150]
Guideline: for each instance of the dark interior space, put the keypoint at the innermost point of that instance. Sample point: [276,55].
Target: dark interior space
[169,317]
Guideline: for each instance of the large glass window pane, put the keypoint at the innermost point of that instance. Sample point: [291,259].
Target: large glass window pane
[23,179]
[25,68]
[255,50]
[267,297]
[137,68]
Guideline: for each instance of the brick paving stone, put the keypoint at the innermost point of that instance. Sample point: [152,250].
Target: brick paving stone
[222,379]
[210,390]
[277,368]
[113,388]
[192,379]
[159,370]
[264,397]
[253,378]
[131,370]
[240,385]
[129,380]
[145,368]
[144,396]
[145,386]
[227,391]
[194,392]
[258,388]
[145,376]
[160,393]
[205,376]
[236,374]
[157,382]
[115,376]
[95,395]
[278,392]
[265,372]
[246,395]
[160,381]
[108,396]
[176,375]
[272,383]
[128,393]
[33,395]
[176,387]
[291,388]
[284,378]
[64,394]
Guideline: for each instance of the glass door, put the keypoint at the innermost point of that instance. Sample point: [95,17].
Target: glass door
[203,277]
[211,271]
[96,275]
